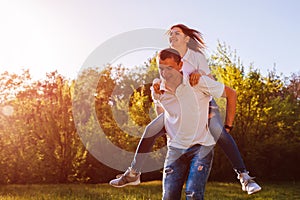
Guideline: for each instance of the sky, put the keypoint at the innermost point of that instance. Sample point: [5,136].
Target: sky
[48,35]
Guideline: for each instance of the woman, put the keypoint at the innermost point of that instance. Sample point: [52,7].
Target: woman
[189,43]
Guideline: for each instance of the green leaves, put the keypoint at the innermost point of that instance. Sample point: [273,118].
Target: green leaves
[39,141]
[267,112]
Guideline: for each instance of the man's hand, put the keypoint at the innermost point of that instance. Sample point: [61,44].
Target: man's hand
[156,87]
[228,128]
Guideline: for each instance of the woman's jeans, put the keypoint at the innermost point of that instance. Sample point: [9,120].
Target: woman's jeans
[152,131]
[156,128]
[194,164]
[224,139]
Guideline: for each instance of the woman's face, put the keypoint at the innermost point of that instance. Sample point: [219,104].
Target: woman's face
[177,38]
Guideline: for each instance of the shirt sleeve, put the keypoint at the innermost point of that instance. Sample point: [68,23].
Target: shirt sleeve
[210,87]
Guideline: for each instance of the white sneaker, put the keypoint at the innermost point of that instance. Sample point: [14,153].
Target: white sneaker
[128,178]
[248,184]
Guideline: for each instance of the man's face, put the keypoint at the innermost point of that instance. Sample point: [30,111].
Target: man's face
[169,69]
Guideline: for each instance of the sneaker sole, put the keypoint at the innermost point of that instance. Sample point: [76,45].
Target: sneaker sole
[137,182]
[254,191]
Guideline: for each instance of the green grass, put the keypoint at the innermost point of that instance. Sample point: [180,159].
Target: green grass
[145,191]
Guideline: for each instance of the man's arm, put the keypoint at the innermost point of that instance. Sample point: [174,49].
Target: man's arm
[216,89]
[155,93]
[158,109]
[231,98]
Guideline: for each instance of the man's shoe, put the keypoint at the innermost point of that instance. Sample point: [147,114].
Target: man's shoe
[248,184]
[128,178]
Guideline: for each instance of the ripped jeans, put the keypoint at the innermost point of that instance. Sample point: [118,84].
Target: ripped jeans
[193,165]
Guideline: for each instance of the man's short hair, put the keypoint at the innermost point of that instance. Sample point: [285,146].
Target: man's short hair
[170,53]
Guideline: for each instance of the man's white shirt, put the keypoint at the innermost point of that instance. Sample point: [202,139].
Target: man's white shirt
[186,111]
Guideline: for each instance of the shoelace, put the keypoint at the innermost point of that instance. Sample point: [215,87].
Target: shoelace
[247,181]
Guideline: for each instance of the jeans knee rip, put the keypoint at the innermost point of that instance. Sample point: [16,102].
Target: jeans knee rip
[200,167]
[169,170]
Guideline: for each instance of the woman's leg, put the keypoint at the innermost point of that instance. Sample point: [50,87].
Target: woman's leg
[231,150]
[224,139]
[152,131]
[132,174]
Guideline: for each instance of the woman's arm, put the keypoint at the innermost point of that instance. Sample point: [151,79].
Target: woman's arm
[231,97]
[158,109]
[196,75]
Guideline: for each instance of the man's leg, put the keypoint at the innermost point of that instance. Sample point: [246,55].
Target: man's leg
[175,171]
[199,170]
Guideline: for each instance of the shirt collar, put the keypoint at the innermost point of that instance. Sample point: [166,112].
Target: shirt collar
[186,55]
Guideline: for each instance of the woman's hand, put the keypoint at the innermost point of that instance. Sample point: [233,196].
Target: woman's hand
[194,78]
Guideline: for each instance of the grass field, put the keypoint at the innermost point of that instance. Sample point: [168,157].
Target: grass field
[145,191]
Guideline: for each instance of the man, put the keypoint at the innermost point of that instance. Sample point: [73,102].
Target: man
[156,129]
[190,145]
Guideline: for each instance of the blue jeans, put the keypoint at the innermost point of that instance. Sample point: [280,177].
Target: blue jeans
[153,130]
[224,139]
[194,164]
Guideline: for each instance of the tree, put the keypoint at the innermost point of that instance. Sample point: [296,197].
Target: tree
[40,140]
[264,119]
